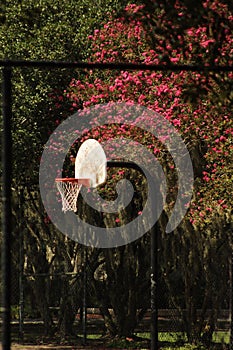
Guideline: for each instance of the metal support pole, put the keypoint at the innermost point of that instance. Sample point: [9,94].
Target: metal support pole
[84,316]
[6,209]
[153,254]
[231,293]
[21,268]
[154,287]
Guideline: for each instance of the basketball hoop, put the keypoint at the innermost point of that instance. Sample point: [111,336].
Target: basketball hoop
[69,189]
[90,171]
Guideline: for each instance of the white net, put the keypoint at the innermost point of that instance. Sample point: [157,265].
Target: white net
[69,191]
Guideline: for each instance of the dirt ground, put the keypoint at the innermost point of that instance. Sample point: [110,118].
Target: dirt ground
[59,347]
[41,347]
[93,344]
[34,339]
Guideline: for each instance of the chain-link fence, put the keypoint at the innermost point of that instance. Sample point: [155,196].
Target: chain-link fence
[84,299]
[68,303]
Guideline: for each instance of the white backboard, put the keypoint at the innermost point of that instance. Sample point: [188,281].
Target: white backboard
[91,163]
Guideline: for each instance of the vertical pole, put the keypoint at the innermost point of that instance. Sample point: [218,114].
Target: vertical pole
[84,317]
[154,270]
[154,286]
[153,252]
[6,210]
[231,293]
[21,268]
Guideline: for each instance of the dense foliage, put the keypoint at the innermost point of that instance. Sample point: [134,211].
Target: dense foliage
[199,106]
[194,258]
[44,30]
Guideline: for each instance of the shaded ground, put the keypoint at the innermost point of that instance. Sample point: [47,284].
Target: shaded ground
[103,347]
[35,340]
[92,344]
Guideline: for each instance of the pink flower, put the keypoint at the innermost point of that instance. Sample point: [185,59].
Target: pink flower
[176,122]
[190,31]
[206,178]
[174,59]
[206,43]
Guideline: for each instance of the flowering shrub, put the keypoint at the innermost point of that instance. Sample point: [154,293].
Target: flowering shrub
[197,104]
[186,99]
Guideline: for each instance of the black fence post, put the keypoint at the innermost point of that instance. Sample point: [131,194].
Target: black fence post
[154,288]
[84,307]
[231,292]
[21,267]
[6,208]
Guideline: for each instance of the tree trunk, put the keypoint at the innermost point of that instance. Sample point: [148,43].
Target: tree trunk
[66,319]
[70,302]
[122,290]
[40,291]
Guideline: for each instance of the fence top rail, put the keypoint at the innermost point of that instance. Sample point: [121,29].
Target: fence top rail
[116,66]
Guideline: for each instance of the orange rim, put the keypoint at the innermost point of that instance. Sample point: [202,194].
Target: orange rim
[85,182]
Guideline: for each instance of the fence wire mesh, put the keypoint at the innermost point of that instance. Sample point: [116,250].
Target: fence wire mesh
[45,303]
[70,302]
